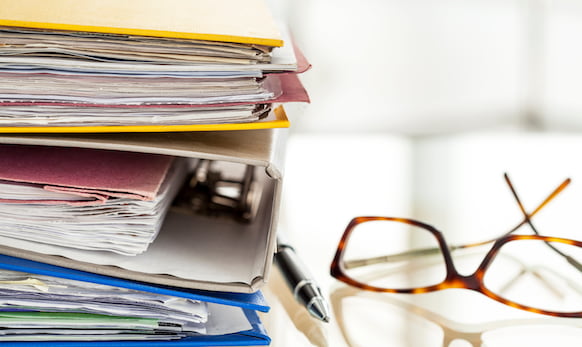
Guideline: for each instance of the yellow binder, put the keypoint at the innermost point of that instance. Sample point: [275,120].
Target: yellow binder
[248,21]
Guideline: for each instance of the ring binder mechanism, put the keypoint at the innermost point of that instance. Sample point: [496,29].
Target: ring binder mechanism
[209,192]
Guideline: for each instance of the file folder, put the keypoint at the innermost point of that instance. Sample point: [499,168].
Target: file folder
[248,303]
[203,252]
[215,20]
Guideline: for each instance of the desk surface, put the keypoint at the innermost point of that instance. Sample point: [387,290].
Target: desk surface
[330,179]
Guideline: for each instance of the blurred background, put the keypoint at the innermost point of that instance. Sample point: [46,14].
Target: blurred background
[418,107]
[422,67]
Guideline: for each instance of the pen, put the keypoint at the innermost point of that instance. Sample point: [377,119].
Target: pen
[304,288]
[312,328]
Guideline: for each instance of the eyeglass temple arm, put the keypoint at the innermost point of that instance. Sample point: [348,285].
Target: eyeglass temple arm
[534,270]
[538,272]
[527,219]
[355,263]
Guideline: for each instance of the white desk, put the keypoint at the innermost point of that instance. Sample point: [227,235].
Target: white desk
[330,179]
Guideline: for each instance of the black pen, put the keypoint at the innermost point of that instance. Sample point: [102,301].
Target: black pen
[304,288]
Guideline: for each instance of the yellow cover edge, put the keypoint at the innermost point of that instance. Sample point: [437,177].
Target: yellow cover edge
[280,121]
[144,32]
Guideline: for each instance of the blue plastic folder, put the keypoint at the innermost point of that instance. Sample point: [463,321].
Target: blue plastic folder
[249,303]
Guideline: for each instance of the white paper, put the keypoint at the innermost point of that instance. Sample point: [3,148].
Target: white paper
[188,246]
[120,225]
[53,294]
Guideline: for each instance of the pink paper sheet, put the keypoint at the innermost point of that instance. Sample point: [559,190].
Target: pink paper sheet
[92,173]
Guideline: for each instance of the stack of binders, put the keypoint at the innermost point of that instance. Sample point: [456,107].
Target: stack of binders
[141,147]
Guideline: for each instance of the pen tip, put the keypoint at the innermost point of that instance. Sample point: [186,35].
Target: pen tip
[319,310]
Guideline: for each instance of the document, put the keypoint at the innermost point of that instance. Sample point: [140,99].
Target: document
[84,96]
[156,70]
[43,308]
[42,302]
[85,198]
[116,48]
[188,246]
[130,91]
[35,115]
[80,52]
[29,292]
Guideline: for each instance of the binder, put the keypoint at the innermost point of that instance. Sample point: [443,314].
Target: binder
[288,86]
[222,23]
[222,255]
[215,20]
[248,303]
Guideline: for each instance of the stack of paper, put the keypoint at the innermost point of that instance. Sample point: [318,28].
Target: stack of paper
[85,198]
[37,306]
[86,65]
[44,303]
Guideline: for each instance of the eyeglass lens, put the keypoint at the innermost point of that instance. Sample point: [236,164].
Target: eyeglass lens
[394,255]
[536,273]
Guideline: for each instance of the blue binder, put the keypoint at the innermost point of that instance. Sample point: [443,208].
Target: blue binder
[250,303]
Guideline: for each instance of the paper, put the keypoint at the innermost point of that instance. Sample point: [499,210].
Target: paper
[93,115]
[80,81]
[86,171]
[186,247]
[115,48]
[128,55]
[52,294]
[83,96]
[86,199]
[130,91]
[189,247]
[75,116]
[45,308]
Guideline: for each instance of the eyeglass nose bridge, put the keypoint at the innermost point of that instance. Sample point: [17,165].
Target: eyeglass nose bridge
[456,280]
[474,281]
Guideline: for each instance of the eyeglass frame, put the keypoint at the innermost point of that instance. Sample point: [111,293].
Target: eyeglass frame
[453,278]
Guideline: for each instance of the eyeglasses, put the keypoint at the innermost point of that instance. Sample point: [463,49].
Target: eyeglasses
[399,255]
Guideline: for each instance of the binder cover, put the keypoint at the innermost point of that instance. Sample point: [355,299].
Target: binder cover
[250,303]
[227,257]
[216,20]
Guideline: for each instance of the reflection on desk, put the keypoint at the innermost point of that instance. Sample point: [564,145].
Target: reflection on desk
[369,319]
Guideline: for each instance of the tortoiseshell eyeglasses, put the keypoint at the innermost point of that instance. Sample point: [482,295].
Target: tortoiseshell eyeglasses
[534,273]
